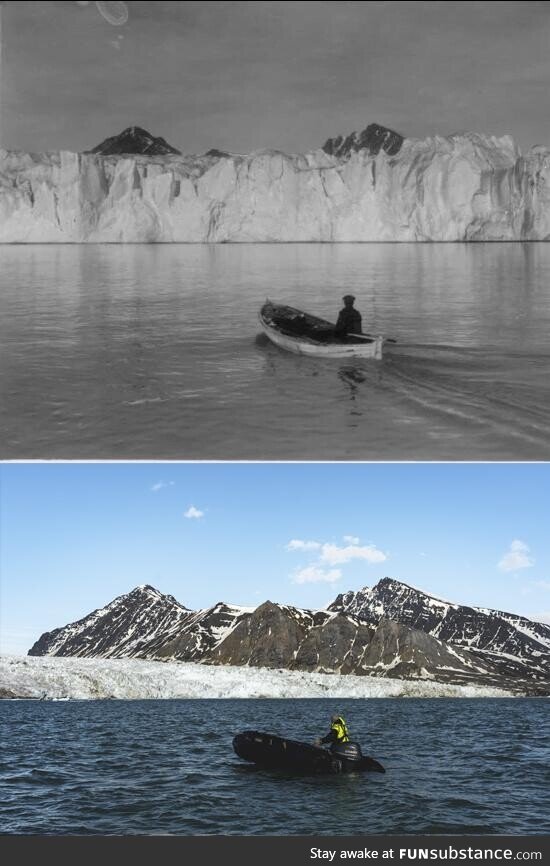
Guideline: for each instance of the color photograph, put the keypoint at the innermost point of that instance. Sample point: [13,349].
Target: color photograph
[180,639]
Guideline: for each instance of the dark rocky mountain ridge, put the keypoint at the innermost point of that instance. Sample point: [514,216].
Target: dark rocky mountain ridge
[135,140]
[512,643]
[373,139]
[128,627]
[390,630]
[138,141]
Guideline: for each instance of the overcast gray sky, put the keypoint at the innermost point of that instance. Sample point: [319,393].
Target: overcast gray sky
[242,76]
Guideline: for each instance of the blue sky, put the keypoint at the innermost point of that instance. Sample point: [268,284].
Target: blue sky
[247,75]
[74,536]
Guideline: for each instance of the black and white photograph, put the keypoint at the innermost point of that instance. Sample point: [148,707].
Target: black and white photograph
[275,231]
[275,430]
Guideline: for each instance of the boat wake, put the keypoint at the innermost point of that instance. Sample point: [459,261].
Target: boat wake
[503,396]
[420,402]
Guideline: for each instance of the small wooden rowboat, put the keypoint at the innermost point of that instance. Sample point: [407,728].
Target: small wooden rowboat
[304,334]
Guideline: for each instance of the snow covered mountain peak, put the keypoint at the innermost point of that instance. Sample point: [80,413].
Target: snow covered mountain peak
[391,629]
[510,643]
[146,591]
[124,627]
[372,139]
[135,140]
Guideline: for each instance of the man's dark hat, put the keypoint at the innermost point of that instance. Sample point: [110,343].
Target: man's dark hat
[348,298]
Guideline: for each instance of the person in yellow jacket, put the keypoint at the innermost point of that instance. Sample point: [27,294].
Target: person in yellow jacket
[338,732]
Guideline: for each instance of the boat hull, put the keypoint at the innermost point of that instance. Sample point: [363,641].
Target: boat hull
[278,753]
[350,346]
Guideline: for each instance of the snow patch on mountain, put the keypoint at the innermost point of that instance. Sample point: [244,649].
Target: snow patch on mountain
[134,140]
[132,624]
[512,645]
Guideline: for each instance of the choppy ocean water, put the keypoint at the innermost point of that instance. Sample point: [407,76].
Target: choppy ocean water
[153,351]
[167,767]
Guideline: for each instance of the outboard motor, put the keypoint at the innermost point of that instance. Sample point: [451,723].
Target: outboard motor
[349,754]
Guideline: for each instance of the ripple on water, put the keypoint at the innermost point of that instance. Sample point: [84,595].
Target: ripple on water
[453,766]
[182,370]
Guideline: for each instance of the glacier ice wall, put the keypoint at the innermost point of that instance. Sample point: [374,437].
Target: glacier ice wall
[467,187]
[54,678]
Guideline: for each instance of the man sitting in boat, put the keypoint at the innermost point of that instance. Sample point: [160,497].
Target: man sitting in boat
[349,319]
[338,733]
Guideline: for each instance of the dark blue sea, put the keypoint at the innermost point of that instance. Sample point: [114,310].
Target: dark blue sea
[167,767]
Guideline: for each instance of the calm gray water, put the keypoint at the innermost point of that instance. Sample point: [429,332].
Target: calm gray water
[158,767]
[153,352]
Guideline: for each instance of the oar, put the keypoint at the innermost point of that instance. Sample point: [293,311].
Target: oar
[370,338]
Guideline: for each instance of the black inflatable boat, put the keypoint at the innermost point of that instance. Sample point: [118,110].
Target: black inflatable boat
[278,753]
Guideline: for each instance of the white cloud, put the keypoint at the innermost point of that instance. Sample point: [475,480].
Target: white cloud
[326,556]
[516,557]
[541,617]
[334,555]
[315,574]
[297,544]
[161,484]
[193,512]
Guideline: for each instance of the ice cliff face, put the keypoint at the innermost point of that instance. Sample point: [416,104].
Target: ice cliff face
[135,679]
[370,186]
